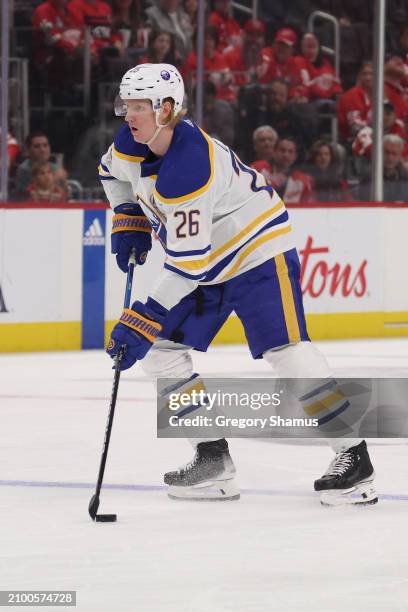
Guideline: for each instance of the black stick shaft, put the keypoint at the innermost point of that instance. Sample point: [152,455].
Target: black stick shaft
[93,506]
[109,424]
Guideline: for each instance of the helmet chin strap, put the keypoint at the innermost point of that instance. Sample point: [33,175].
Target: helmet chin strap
[158,129]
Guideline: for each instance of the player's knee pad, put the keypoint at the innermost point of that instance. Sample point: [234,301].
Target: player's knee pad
[168,360]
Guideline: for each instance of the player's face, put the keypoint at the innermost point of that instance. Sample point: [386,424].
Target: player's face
[141,120]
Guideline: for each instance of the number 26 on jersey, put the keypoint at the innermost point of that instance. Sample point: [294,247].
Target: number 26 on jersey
[188,223]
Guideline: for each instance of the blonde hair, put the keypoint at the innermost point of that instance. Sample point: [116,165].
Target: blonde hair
[174,118]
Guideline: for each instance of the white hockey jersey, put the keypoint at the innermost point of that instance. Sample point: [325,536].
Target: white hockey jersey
[215,217]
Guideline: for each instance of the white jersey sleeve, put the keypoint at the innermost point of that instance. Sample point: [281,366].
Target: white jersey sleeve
[116,184]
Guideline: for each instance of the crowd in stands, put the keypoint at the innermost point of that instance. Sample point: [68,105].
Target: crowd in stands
[271,90]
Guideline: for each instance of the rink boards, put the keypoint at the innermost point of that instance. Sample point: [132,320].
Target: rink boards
[60,287]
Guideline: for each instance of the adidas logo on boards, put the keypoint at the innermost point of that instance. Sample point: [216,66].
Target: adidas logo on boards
[94,235]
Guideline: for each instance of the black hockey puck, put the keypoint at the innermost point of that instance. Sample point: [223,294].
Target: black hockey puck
[106,518]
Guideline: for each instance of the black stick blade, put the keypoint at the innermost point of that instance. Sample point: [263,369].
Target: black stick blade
[93,506]
[106,518]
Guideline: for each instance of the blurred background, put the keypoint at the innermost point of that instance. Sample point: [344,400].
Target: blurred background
[313,94]
[288,84]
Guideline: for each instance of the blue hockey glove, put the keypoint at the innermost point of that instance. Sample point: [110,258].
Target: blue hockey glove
[130,230]
[138,328]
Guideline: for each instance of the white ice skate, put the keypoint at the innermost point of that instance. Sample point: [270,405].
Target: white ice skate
[210,476]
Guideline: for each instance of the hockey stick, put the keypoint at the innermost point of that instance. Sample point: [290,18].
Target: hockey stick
[94,503]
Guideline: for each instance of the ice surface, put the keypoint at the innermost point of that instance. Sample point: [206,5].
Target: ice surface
[276,549]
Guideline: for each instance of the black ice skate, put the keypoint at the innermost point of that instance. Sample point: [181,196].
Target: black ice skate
[208,477]
[348,479]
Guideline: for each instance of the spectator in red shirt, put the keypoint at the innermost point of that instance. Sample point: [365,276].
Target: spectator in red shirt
[229,30]
[402,50]
[282,62]
[394,76]
[215,66]
[363,143]
[324,168]
[161,49]
[13,150]
[354,107]
[98,15]
[249,62]
[292,185]
[317,73]
[393,125]
[56,27]
[58,40]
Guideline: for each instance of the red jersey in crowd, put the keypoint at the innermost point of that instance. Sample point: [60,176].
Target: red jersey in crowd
[297,188]
[97,15]
[13,149]
[217,71]
[363,143]
[354,108]
[288,70]
[319,81]
[243,74]
[263,167]
[229,30]
[56,26]
[397,97]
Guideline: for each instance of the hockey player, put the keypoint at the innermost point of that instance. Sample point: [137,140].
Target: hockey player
[229,247]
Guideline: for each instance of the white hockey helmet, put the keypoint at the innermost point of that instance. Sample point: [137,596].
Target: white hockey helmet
[153,82]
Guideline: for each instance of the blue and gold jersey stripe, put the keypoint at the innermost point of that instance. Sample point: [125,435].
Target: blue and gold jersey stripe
[197,192]
[124,156]
[232,242]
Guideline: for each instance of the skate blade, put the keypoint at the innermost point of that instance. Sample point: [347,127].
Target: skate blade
[363,494]
[213,490]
